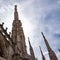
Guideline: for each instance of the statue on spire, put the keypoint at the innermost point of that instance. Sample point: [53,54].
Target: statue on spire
[16,13]
[16,8]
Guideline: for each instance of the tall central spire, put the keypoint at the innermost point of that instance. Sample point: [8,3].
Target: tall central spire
[18,36]
[16,13]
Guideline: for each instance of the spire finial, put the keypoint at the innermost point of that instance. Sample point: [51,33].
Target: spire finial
[16,13]
[15,7]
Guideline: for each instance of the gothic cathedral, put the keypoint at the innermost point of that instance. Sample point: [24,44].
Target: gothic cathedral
[13,46]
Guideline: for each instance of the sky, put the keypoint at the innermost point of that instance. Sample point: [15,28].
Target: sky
[36,16]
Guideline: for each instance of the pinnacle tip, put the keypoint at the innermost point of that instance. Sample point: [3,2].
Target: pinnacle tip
[16,6]
[41,32]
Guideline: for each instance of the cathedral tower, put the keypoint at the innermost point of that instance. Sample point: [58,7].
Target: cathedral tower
[31,51]
[51,53]
[18,35]
[43,57]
